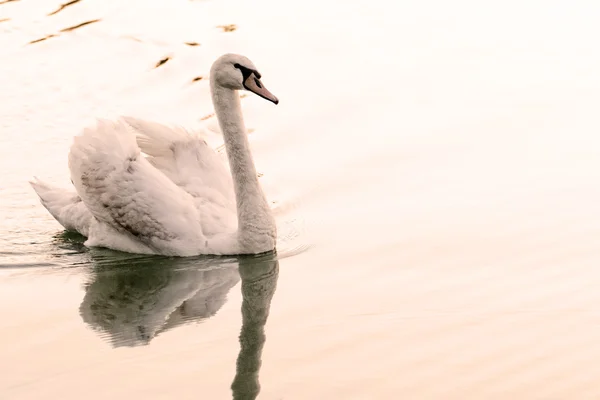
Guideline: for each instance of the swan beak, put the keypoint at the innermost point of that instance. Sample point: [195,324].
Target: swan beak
[253,84]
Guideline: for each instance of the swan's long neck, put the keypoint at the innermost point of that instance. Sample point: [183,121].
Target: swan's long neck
[256,227]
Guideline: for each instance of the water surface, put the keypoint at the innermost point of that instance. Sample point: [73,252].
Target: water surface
[434,169]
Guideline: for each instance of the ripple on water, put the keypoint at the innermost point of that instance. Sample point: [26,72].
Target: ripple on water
[292,237]
[66,249]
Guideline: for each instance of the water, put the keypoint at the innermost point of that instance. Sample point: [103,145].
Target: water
[435,169]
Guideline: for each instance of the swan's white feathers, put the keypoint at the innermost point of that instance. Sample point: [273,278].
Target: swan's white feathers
[153,138]
[64,205]
[187,160]
[183,156]
[123,190]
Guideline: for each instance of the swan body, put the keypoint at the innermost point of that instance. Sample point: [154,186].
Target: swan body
[143,187]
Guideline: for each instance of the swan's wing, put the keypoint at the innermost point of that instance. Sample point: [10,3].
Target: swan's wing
[122,189]
[187,160]
[65,206]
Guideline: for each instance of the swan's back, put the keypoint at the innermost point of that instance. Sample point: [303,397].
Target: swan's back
[188,161]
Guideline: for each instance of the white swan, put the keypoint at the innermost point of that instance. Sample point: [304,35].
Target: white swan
[179,199]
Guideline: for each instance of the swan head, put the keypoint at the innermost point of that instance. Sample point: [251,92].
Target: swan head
[236,72]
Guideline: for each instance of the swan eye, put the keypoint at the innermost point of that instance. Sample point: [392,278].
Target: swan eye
[246,72]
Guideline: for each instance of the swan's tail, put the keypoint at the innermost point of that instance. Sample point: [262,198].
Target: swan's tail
[64,205]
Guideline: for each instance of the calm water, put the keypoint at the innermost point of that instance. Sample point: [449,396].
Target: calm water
[435,171]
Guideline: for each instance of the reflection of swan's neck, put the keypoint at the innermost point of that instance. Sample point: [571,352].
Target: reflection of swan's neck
[256,227]
[259,281]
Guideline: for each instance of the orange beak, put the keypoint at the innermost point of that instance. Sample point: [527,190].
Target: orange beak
[253,84]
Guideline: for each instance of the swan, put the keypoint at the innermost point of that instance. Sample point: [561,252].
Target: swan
[143,187]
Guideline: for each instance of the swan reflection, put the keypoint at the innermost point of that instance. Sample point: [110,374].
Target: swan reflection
[133,299]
